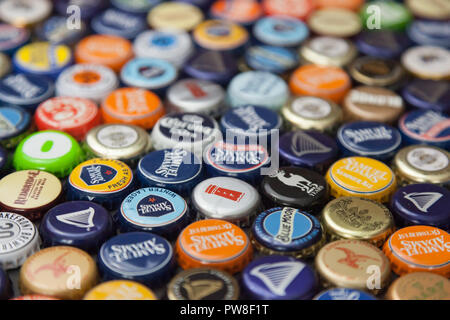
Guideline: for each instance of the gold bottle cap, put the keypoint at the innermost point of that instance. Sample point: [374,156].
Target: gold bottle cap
[435,10]
[422,164]
[62,272]
[427,62]
[120,290]
[307,113]
[5,65]
[420,286]
[372,71]
[328,51]
[350,264]
[359,219]
[175,15]
[337,22]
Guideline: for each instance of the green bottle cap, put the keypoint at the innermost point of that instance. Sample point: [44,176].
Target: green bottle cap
[50,150]
[385,15]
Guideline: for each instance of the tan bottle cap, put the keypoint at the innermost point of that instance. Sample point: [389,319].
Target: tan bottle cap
[435,10]
[336,22]
[373,71]
[328,51]
[420,286]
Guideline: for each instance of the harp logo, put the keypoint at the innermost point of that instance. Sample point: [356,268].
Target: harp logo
[81,219]
[423,200]
[303,144]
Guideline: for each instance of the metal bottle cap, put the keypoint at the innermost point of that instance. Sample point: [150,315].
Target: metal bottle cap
[427,62]
[118,23]
[384,44]
[438,10]
[378,72]
[328,51]
[237,11]
[299,9]
[56,30]
[337,22]
[25,13]
[5,65]
[278,60]
[88,8]
[120,290]
[428,95]
[220,35]
[419,286]
[392,15]
[12,38]
[135,6]
[429,32]
[344,294]
[15,124]
[175,15]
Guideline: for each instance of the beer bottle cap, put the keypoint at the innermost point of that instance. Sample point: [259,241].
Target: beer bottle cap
[429,32]
[220,35]
[12,38]
[328,51]
[373,71]
[108,50]
[439,10]
[422,164]
[82,224]
[132,106]
[419,286]
[138,256]
[203,284]
[34,297]
[278,60]
[50,150]
[428,95]
[244,12]
[56,30]
[25,13]
[19,241]
[231,256]
[392,15]
[120,290]
[369,139]
[15,124]
[49,271]
[419,249]
[175,15]
[344,294]
[279,278]
[118,23]
[104,181]
[336,22]
[299,9]
[5,65]
[6,291]
[427,62]
[281,31]
[383,44]
[346,178]
[344,263]
[202,4]
[324,82]
[88,8]
[346,4]
[422,204]
[369,103]
[226,198]
[135,6]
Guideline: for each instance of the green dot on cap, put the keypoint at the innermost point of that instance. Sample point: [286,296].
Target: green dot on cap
[385,15]
[50,150]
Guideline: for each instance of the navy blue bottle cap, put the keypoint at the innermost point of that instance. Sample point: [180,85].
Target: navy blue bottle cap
[14,121]
[139,256]
[272,59]
[12,38]
[82,224]
[280,31]
[386,44]
[55,30]
[369,139]
[156,210]
[422,204]
[344,294]
[430,32]
[88,8]
[428,95]
[135,6]
[309,149]
[278,278]
[118,23]
[6,291]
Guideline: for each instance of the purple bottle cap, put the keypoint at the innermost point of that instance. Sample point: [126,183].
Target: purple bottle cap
[384,44]
[428,95]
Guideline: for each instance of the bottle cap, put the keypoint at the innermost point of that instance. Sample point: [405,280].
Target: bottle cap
[81,224]
[392,15]
[120,290]
[175,15]
[428,95]
[6,291]
[336,22]
[19,241]
[282,31]
[119,142]
[346,4]
[220,35]
[156,210]
[132,106]
[202,4]
[118,23]
[357,219]
[12,38]
[344,294]
[214,66]
[226,198]
[203,284]
[279,278]
[5,65]
[328,51]
[108,50]
[190,131]
[383,44]
[299,9]
[171,45]
[427,62]
[439,10]
[369,139]
[56,30]
[135,6]
[419,286]
[244,12]
[422,204]
[287,231]
[278,60]
[25,13]
[324,82]
[422,164]
[25,90]
[362,177]
[50,150]
[50,272]
[368,103]
[308,149]
[139,256]
[34,297]
[104,181]
[432,33]
[425,127]
[15,124]
[175,169]
[419,249]
[231,255]
[344,263]
[260,88]
[88,8]
[373,71]
[295,187]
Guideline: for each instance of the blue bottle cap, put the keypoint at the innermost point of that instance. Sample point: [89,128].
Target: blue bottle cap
[344,294]
[385,44]
[118,23]
[25,90]
[140,256]
[12,38]
[55,30]
[82,224]
[6,291]
[88,8]
[280,31]
[369,139]
[425,127]
[203,4]
[428,95]
[175,169]
[156,210]
[422,204]
[261,88]
[135,6]
[13,122]
[308,149]
[429,32]
[278,278]
[272,59]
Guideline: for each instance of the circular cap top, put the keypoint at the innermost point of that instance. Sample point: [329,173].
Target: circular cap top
[48,150]
[19,241]
[219,35]
[118,23]
[13,122]
[280,31]
[420,286]
[148,73]
[429,32]
[120,290]
[12,37]
[392,15]
[385,44]
[435,10]
[299,9]
[175,15]
[135,6]
[374,71]
[428,95]
[419,248]
[56,30]
[220,285]
[346,4]
[427,62]
[270,58]
[25,13]
[279,278]
[49,271]
[336,22]
[238,11]
[344,294]
[328,51]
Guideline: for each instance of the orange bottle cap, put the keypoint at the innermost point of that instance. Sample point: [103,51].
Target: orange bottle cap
[345,4]
[239,11]
[299,9]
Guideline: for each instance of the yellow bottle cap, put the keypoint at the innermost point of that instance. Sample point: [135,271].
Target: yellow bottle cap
[220,35]
[420,286]
[120,290]
[175,15]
